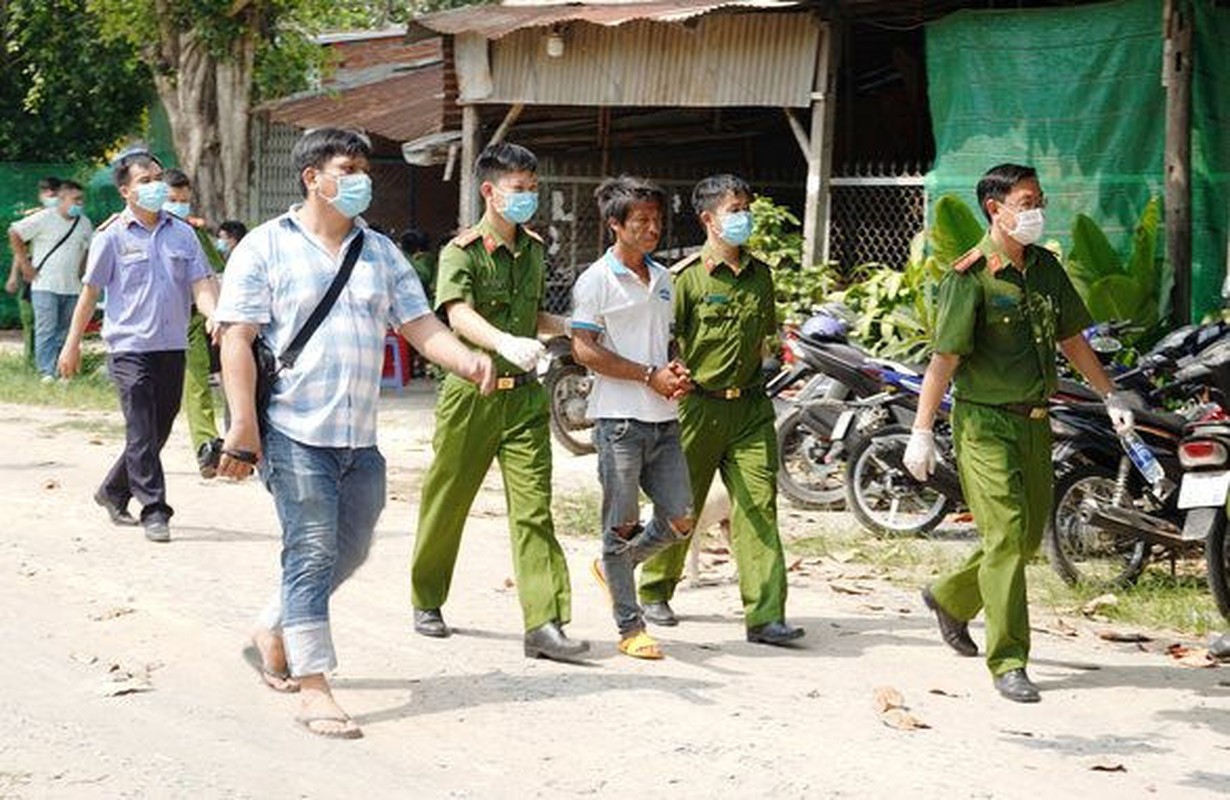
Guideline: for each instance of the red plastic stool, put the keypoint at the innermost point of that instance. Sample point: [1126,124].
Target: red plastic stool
[396,370]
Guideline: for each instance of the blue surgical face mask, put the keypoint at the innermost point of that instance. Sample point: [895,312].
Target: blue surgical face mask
[223,245]
[737,227]
[354,194]
[151,196]
[74,210]
[181,210]
[50,202]
[519,206]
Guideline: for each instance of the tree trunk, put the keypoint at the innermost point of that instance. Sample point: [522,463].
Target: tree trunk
[208,101]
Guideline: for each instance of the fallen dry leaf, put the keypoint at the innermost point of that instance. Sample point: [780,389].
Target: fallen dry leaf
[902,720]
[943,693]
[1010,732]
[871,607]
[51,483]
[795,565]
[94,440]
[1123,636]
[509,583]
[849,588]
[1098,603]
[1194,658]
[112,613]
[1107,767]
[887,697]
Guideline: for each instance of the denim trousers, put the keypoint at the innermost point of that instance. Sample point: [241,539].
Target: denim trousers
[53,314]
[328,500]
[634,456]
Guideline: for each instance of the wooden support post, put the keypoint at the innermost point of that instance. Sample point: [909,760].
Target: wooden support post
[509,119]
[820,149]
[468,208]
[1177,78]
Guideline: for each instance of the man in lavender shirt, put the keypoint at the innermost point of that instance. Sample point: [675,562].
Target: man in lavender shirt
[153,269]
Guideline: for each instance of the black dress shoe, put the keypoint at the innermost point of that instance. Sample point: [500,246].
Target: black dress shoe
[430,622]
[1220,649]
[1017,687]
[549,641]
[119,516]
[954,631]
[660,613]
[777,633]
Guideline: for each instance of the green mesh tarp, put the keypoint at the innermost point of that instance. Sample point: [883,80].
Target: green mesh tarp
[1076,92]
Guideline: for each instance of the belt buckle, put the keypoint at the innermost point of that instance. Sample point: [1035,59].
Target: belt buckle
[505,382]
[1037,412]
[732,394]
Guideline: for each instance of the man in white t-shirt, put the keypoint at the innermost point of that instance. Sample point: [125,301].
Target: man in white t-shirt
[622,321]
[49,247]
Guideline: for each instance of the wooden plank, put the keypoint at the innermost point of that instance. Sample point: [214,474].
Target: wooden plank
[1176,77]
[818,200]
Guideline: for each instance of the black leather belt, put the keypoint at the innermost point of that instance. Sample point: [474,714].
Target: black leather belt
[506,382]
[733,393]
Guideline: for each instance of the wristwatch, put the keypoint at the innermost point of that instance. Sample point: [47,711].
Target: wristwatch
[649,371]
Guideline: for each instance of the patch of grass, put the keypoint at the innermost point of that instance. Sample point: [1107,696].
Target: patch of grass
[900,559]
[90,390]
[93,425]
[577,512]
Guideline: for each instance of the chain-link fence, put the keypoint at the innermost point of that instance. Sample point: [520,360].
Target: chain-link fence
[874,218]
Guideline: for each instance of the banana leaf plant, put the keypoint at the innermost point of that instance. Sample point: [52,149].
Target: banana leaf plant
[1110,288]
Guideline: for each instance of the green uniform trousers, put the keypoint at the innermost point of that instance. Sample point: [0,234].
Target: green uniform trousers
[471,430]
[198,396]
[735,438]
[1004,460]
[25,312]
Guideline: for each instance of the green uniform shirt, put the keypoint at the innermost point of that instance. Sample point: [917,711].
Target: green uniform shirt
[723,314]
[503,285]
[1005,323]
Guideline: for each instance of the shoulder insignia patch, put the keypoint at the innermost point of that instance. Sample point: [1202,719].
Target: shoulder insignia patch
[466,238]
[102,226]
[490,243]
[533,235]
[995,263]
[968,260]
[684,263]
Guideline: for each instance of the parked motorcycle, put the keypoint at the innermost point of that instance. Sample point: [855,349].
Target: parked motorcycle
[568,385]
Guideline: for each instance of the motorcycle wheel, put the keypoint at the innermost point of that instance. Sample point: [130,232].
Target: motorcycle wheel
[803,442]
[1081,553]
[1217,558]
[568,392]
[884,497]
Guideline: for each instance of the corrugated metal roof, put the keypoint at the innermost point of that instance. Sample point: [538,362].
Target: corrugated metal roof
[494,22]
[402,107]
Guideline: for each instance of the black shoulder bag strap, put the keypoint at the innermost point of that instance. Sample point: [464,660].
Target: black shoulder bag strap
[56,246]
[292,351]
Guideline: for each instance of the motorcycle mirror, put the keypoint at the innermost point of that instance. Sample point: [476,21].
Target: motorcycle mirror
[1105,344]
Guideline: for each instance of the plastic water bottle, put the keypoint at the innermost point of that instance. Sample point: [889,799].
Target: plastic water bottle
[1143,458]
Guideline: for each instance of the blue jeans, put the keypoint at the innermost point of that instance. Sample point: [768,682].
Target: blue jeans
[328,500]
[635,455]
[53,314]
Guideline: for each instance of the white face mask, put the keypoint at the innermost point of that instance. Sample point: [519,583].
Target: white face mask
[1029,226]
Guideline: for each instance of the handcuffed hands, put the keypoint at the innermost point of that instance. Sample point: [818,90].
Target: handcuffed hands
[520,350]
[920,455]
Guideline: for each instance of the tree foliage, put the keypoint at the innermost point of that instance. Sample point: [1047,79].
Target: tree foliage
[67,94]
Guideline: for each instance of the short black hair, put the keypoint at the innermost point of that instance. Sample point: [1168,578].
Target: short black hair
[502,158]
[176,178]
[998,181]
[414,241]
[69,186]
[709,193]
[616,196]
[49,184]
[133,157]
[316,147]
[233,228]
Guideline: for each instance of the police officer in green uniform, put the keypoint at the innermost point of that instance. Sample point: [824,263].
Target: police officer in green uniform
[490,283]
[1002,309]
[724,312]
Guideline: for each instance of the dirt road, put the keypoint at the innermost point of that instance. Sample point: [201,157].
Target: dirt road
[121,675]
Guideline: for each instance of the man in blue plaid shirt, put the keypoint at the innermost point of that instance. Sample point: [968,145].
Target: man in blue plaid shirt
[318,455]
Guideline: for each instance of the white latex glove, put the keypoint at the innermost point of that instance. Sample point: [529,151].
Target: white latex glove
[920,456]
[1119,405]
[520,350]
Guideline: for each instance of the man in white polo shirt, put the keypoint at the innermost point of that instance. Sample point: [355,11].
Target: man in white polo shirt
[622,319]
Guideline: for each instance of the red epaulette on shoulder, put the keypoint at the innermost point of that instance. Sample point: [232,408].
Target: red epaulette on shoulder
[968,260]
[466,237]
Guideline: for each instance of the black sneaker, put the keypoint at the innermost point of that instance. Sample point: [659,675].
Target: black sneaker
[119,516]
[157,530]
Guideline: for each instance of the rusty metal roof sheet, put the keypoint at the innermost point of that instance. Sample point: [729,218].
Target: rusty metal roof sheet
[401,107]
[494,22]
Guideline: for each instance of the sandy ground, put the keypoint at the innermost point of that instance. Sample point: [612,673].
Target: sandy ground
[88,611]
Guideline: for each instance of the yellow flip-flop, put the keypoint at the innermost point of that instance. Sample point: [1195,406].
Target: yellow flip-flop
[595,569]
[641,645]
